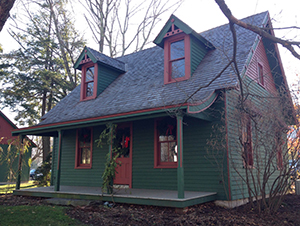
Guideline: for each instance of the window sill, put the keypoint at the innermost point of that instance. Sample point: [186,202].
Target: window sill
[177,80]
[83,167]
[169,166]
[262,85]
[88,98]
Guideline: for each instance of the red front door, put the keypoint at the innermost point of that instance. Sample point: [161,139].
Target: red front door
[124,144]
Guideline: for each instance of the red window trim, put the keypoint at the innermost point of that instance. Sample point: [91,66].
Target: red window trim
[187,55]
[83,91]
[157,163]
[247,147]
[77,154]
[279,159]
[260,74]
[279,144]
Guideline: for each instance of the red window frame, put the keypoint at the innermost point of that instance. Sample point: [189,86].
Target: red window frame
[260,74]
[247,141]
[78,164]
[84,82]
[157,154]
[167,58]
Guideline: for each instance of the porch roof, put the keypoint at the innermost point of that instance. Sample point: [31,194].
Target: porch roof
[167,198]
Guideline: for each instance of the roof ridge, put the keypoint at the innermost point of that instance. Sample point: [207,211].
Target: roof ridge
[245,18]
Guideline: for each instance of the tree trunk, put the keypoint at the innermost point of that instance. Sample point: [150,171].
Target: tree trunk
[5,7]
[45,140]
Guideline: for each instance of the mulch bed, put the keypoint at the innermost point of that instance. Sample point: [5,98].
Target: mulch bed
[205,214]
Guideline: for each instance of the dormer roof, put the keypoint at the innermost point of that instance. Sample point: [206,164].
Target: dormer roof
[180,26]
[100,58]
[141,90]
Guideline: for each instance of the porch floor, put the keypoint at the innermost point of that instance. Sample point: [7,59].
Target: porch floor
[167,198]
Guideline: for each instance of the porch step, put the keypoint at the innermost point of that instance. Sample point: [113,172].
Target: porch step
[69,202]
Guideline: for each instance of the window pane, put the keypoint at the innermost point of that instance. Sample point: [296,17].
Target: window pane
[178,69]
[164,152]
[163,138]
[172,152]
[89,89]
[82,157]
[84,137]
[85,156]
[260,75]
[177,49]
[88,156]
[89,74]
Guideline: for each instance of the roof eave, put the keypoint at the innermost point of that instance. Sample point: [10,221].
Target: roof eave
[51,129]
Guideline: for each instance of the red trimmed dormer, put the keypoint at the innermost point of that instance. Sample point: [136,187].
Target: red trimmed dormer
[89,79]
[98,71]
[183,50]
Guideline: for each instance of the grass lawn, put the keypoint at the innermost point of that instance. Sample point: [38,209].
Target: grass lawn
[35,215]
[8,188]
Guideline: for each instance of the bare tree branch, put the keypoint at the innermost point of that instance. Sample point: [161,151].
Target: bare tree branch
[260,31]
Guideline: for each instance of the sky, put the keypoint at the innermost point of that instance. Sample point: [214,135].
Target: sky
[202,15]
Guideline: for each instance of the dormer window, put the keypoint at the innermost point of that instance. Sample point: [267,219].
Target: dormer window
[184,49]
[89,81]
[177,58]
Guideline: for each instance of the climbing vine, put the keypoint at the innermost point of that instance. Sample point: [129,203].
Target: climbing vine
[108,136]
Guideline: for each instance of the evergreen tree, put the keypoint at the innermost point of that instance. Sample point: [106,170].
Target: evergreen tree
[38,74]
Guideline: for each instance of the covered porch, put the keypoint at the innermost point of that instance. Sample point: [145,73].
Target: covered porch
[165,198]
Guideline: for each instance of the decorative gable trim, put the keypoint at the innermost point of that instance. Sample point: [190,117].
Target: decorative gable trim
[89,54]
[175,26]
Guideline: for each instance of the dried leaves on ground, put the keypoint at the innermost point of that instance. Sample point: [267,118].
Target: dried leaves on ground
[205,214]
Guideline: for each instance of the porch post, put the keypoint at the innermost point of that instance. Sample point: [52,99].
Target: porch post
[19,172]
[180,169]
[57,178]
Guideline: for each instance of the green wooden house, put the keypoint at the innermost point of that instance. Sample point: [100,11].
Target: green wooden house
[166,103]
[8,170]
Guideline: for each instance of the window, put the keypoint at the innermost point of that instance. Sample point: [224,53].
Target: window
[83,158]
[177,58]
[89,81]
[247,141]
[260,75]
[177,64]
[165,149]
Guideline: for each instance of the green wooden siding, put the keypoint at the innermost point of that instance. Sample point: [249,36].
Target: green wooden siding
[204,168]
[143,173]
[81,177]
[105,77]
[201,172]
[238,187]
[4,168]
[198,52]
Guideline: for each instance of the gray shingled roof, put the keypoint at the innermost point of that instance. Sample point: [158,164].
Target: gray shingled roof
[142,86]
[112,62]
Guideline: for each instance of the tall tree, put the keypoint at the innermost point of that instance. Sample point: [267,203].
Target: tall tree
[5,7]
[38,74]
[121,26]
